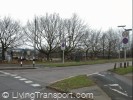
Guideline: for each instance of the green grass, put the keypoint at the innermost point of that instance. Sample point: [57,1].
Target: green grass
[90,62]
[73,83]
[123,71]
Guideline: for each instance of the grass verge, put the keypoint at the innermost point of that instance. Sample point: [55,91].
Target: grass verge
[123,71]
[72,83]
[91,62]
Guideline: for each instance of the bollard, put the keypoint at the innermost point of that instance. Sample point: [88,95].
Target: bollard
[21,62]
[127,64]
[33,61]
[120,65]
[124,64]
[115,66]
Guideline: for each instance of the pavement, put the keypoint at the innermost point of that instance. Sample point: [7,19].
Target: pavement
[129,76]
[94,92]
[117,87]
[18,66]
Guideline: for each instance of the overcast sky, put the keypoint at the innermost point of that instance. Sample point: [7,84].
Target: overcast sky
[96,13]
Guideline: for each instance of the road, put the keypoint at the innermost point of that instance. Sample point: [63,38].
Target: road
[15,87]
[49,75]
[33,80]
[117,87]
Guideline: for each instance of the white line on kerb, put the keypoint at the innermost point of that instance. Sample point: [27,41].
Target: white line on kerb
[92,74]
[97,73]
[100,74]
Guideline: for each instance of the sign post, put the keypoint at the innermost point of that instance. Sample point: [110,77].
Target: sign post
[125,35]
[63,48]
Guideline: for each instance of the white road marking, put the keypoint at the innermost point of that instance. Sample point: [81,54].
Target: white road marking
[22,79]
[125,94]
[3,75]
[1,71]
[92,74]
[28,81]
[18,77]
[6,73]
[13,75]
[35,85]
[115,85]
[100,74]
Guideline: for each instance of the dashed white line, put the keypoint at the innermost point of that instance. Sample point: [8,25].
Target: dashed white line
[22,79]
[28,81]
[35,85]
[18,77]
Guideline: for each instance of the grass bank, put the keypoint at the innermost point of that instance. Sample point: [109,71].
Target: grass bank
[72,83]
[123,71]
[90,62]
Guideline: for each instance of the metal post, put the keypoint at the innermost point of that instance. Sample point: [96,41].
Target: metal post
[33,61]
[21,62]
[63,56]
[35,42]
[120,57]
[125,57]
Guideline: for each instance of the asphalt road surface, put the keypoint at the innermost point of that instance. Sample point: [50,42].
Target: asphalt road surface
[14,87]
[117,87]
[33,80]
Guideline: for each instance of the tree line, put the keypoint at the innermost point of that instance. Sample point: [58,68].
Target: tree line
[45,33]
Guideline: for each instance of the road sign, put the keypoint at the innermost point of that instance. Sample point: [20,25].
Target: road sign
[63,44]
[125,34]
[125,40]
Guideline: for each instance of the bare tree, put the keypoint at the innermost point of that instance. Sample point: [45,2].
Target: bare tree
[112,42]
[103,42]
[10,34]
[85,41]
[95,42]
[74,31]
[47,33]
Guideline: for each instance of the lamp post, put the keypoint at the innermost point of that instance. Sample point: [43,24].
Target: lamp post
[35,21]
[125,41]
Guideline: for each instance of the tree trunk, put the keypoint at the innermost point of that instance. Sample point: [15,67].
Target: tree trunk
[103,49]
[48,57]
[109,50]
[3,52]
[86,54]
